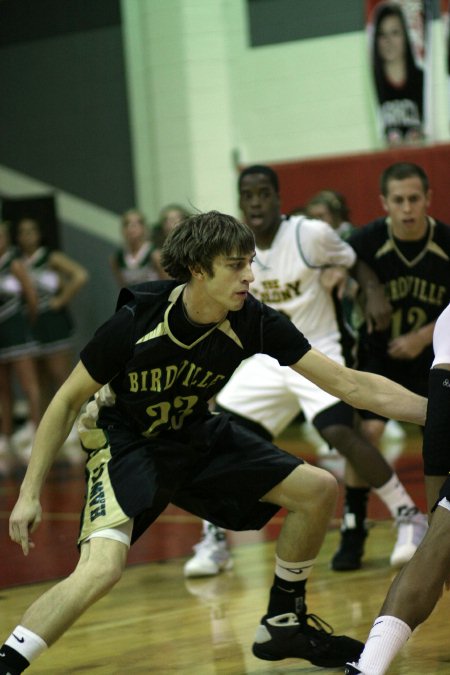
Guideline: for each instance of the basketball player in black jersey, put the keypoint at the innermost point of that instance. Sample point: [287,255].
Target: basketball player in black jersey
[410,253]
[150,439]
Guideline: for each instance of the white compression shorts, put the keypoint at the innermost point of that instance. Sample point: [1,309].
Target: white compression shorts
[120,533]
[272,395]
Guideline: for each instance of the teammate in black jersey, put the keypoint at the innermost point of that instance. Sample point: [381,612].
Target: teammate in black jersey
[150,440]
[410,253]
[416,590]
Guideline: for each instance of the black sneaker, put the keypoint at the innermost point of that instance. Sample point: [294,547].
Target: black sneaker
[350,552]
[351,669]
[289,636]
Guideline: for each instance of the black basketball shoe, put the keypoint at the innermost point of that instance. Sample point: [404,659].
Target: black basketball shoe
[291,636]
[351,550]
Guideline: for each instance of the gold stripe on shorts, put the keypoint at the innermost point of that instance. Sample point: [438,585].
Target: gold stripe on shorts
[101,508]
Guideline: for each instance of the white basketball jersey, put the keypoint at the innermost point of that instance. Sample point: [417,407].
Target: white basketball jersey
[287,275]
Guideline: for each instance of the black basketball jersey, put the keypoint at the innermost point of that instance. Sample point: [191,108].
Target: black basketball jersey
[161,370]
[416,276]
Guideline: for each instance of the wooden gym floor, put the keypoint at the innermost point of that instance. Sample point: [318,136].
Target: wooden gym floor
[155,621]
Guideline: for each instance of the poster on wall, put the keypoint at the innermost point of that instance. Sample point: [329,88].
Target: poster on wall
[398,44]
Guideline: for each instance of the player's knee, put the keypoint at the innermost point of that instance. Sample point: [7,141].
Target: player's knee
[321,499]
[103,578]
[339,436]
[372,430]
[308,490]
[324,492]
[113,573]
[329,487]
[104,565]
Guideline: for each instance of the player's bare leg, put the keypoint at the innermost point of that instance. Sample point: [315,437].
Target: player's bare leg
[287,630]
[99,568]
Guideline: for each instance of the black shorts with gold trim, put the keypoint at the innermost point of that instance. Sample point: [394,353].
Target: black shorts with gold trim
[215,469]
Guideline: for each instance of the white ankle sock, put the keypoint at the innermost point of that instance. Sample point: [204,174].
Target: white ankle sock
[28,644]
[293,571]
[394,495]
[387,637]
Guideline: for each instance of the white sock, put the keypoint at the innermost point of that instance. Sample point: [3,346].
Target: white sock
[387,637]
[394,495]
[28,644]
[293,571]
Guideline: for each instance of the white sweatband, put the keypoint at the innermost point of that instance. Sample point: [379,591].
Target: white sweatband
[28,644]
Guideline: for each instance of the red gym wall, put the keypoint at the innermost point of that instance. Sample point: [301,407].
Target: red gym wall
[357,178]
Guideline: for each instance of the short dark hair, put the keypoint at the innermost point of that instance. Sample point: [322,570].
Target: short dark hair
[201,238]
[400,171]
[335,203]
[260,168]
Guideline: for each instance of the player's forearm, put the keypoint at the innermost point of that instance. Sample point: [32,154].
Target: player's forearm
[387,398]
[365,391]
[366,277]
[50,435]
[426,333]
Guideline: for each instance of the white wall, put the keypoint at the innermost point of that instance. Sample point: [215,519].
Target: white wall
[179,84]
[202,99]
[302,99]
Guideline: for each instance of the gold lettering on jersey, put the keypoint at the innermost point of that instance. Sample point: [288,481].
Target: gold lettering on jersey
[194,380]
[187,379]
[204,381]
[273,293]
[161,379]
[217,378]
[417,288]
[134,382]
[171,374]
[156,375]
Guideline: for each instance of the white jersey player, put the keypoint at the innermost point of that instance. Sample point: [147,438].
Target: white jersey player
[287,277]
[291,254]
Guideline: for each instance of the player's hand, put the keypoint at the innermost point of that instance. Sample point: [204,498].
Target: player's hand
[25,518]
[334,278]
[378,309]
[405,347]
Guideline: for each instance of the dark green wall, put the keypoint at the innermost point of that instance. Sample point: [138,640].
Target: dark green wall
[274,21]
[25,20]
[63,107]
[97,300]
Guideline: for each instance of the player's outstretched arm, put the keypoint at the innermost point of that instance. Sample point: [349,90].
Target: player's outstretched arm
[366,391]
[50,435]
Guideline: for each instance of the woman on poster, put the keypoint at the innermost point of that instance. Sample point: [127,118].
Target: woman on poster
[398,79]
